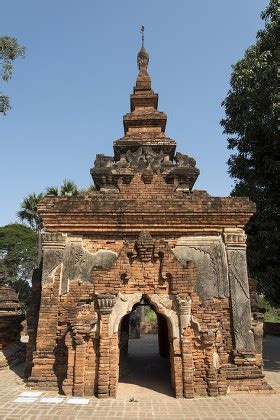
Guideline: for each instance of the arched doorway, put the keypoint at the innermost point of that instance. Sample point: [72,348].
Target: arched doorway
[144,353]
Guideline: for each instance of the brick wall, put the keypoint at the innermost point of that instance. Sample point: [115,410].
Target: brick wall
[76,353]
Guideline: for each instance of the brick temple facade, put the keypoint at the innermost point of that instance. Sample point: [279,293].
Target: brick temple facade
[144,235]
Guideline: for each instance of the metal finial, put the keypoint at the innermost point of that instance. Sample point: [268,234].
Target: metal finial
[142,32]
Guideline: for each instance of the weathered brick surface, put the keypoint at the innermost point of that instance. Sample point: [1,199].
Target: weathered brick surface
[105,251]
[12,351]
[155,207]
[80,357]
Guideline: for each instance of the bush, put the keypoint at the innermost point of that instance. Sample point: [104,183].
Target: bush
[272,313]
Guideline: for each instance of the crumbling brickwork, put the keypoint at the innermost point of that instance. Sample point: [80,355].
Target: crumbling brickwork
[145,234]
[12,351]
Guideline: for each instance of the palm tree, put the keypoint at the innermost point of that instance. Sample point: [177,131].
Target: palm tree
[68,187]
[91,188]
[29,213]
[52,191]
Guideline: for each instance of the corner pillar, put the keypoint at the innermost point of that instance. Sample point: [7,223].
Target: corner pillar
[106,303]
[184,308]
[42,373]
[79,366]
[239,291]
[68,384]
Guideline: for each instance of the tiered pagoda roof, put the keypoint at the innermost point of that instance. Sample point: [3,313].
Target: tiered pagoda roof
[144,143]
[146,184]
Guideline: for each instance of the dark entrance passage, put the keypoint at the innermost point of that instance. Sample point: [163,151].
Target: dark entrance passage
[144,361]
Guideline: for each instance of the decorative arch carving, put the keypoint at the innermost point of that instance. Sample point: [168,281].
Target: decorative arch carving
[164,305]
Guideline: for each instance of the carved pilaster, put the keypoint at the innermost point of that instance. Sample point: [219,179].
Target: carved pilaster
[84,322]
[187,364]
[184,309]
[53,240]
[239,290]
[103,380]
[235,238]
[79,368]
[53,245]
[257,327]
[83,327]
[106,303]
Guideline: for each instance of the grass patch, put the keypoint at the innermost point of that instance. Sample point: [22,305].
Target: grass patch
[272,313]
[150,315]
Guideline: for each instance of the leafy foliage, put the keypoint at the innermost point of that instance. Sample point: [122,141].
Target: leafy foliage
[150,315]
[251,111]
[68,187]
[18,254]
[272,314]
[52,191]
[29,213]
[91,188]
[9,51]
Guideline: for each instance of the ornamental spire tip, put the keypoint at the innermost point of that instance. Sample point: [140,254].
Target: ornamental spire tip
[142,34]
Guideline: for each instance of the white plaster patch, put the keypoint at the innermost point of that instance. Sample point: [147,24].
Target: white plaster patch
[80,401]
[123,306]
[209,256]
[216,360]
[198,240]
[163,305]
[30,394]
[52,400]
[25,400]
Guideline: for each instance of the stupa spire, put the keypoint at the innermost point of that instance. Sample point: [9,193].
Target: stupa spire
[142,35]
[144,146]
[143,81]
[144,121]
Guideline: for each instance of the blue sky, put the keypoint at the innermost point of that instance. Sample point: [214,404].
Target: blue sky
[70,92]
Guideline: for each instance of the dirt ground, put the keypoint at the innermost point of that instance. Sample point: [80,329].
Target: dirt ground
[144,393]
[146,374]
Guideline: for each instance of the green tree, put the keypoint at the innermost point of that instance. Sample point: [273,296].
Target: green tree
[251,110]
[90,189]
[68,187]
[29,206]
[28,212]
[9,51]
[18,256]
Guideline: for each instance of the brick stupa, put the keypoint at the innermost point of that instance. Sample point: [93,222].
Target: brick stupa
[145,234]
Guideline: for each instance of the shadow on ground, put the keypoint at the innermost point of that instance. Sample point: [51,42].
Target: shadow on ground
[145,367]
[271,353]
[13,357]
[147,370]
